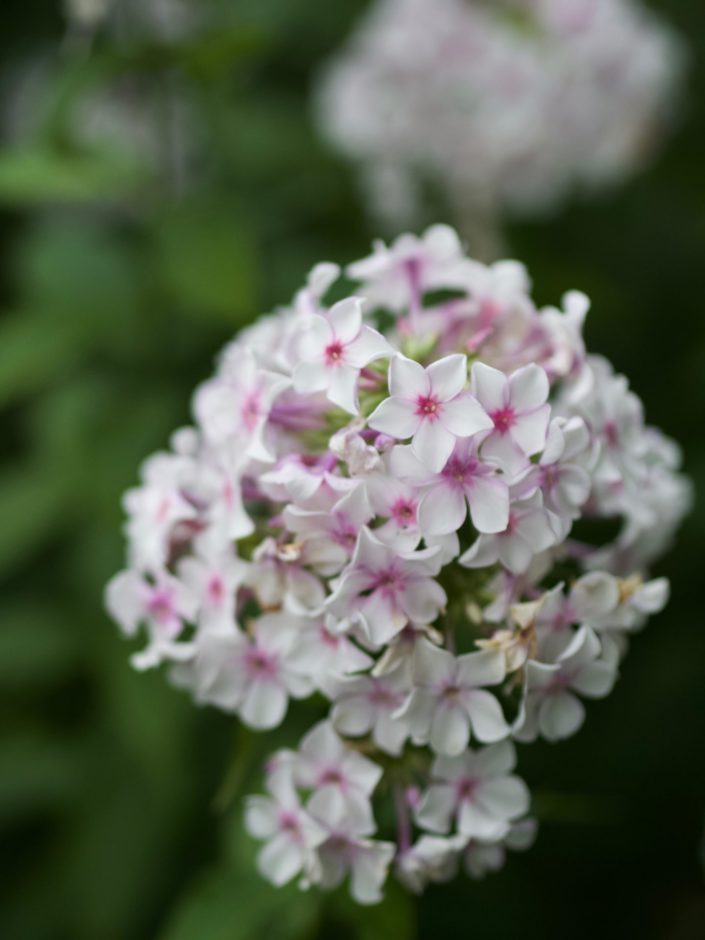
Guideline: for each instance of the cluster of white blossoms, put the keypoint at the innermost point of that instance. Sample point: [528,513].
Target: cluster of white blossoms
[501,104]
[380,507]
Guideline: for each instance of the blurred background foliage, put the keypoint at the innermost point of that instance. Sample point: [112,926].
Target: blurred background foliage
[161,182]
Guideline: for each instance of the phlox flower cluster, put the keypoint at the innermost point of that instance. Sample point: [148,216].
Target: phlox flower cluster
[502,105]
[385,505]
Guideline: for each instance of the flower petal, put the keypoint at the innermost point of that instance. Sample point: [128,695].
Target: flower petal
[407,379]
[442,510]
[489,386]
[345,319]
[450,731]
[560,715]
[264,705]
[433,445]
[528,387]
[489,504]
[465,416]
[395,417]
[488,723]
[448,376]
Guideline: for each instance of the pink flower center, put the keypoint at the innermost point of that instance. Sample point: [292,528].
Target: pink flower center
[381,696]
[329,639]
[344,532]
[466,788]
[259,664]
[504,419]
[389,582]
[289,823]
[460,472]
[161,605]
[428,406]
[451,693]
[251,411]
[334,353]
[611,433]
[404,513]
[216,590]
[331,776]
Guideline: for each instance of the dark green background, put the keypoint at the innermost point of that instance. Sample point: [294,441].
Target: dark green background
[119,801]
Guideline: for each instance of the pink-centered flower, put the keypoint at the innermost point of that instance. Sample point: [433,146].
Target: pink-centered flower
[252,677]
[333,349]
[388,589]
[290,834]
[164,605]
[478,790]
[466,482]
[518,410]
[449,698]
[430,407]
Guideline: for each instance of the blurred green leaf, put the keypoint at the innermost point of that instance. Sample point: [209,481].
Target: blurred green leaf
[36,646]
[32,354]
[34,502]
[391,918]
[37,175]
[206,261]
[232,904]
[38,769]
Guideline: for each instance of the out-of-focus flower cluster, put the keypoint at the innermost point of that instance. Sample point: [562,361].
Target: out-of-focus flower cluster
[501,104]
[389,503]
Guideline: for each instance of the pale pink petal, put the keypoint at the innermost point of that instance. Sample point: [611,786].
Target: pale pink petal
[465,416]
[367,347]
[450,731]
[489,504]
[529,432]
[534,529]
[342,390]
[407,379]
[395,417]
[560,715]
[311,377]
[436,809]
[264,705]
[475,823]
[280,860]
[506,797]
[489,386]
[423,600]
[485,667]
[515,554]
[431,664]
[448,376]
[483,551]
[260,817]
[442,510]
[314,338]
[595,680]
[345,319]
[433,445]
[501,449]
[528,388]
[488,723]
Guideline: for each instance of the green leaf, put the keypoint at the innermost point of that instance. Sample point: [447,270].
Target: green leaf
[34,502]
[32,354]
[206,261]
[31,176]
[38,770]
[231,904]
[392,918]
[37,646]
